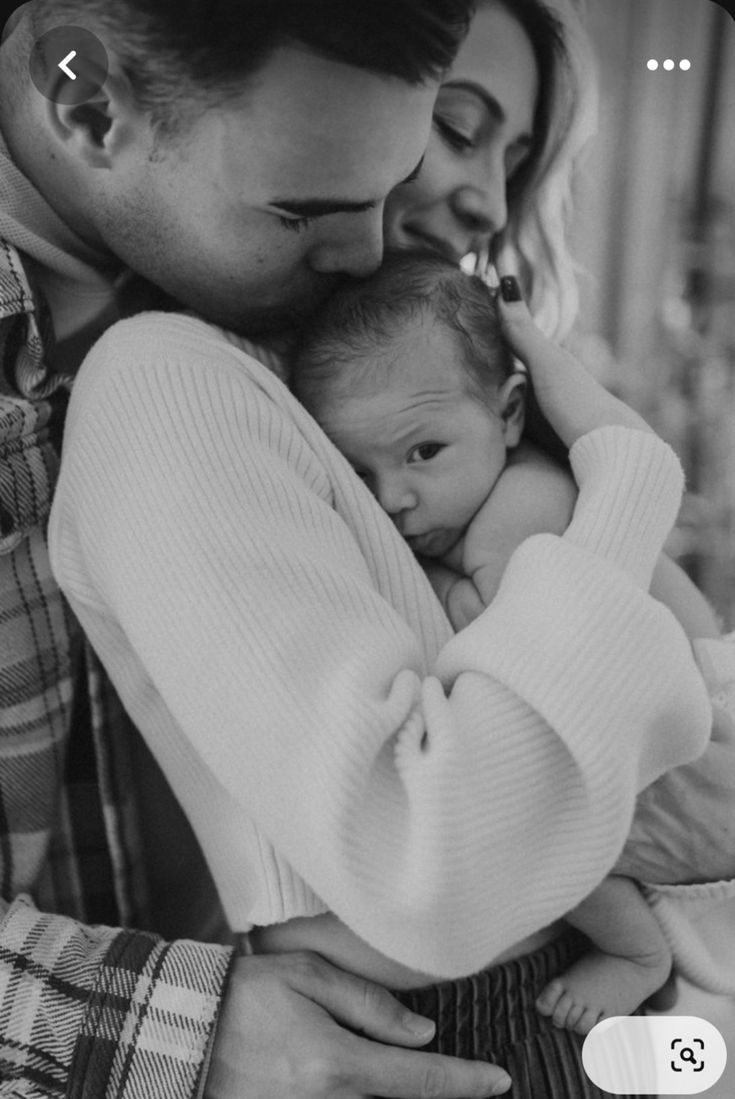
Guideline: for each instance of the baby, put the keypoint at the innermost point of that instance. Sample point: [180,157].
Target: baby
[408,374]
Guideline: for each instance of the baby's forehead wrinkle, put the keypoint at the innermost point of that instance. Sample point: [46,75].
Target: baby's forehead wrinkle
[430,397]
[411,415]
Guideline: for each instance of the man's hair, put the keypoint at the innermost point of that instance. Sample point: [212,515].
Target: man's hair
[176,52]
[350,344]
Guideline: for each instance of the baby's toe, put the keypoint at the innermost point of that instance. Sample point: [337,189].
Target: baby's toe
[549,998]
[575,1014]
[562,1010]
[589,1017]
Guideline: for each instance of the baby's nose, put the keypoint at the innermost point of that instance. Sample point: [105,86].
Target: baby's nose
[395,495]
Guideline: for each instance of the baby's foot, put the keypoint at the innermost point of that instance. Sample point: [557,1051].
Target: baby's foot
[600,985]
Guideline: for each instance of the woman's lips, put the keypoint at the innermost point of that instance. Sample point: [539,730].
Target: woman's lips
[425,241]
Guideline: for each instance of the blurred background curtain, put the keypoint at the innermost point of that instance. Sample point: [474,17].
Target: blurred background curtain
[655,236]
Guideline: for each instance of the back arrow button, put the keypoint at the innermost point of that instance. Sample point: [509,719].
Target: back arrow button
[64,65]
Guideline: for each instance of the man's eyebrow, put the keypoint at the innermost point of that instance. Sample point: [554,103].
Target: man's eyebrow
[321,207]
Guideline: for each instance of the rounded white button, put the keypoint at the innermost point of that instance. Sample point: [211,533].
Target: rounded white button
[68,65]
[654,1055]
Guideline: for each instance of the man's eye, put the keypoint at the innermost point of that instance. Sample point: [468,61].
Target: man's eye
[297,224]
[452,136]
[424,452]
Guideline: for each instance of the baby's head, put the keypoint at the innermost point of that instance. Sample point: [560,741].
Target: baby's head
[408,374]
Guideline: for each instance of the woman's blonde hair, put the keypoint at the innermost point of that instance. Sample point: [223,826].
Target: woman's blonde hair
[535,242]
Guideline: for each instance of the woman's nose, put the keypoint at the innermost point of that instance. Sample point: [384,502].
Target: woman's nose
[480,204]
[354,245]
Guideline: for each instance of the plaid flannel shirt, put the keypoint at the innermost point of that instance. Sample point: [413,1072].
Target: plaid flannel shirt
[90,1011]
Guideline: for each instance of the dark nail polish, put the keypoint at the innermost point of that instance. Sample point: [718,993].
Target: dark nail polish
[510,289]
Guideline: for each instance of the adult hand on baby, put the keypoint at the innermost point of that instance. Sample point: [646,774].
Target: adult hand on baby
[283,1033]
[571,399]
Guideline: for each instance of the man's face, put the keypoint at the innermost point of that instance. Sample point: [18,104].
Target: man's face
[254,214]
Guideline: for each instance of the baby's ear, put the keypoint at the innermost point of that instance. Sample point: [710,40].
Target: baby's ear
[513,408]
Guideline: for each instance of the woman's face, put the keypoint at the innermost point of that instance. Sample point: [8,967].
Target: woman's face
[482,133]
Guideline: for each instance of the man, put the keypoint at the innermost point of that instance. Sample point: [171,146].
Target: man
[191,168]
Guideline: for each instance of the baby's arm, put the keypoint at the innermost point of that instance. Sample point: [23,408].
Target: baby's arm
[533,495]
[570,397]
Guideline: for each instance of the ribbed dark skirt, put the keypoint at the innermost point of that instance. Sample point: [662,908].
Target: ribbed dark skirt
[491,1017]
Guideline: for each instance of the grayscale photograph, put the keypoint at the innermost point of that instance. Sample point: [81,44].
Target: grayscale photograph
[321,777]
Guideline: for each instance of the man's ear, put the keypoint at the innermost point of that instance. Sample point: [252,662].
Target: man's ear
[94,131]
[513,408]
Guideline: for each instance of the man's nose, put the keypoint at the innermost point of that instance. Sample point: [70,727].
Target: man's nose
[354,245]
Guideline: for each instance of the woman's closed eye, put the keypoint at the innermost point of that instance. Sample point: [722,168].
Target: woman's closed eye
[424,452]
[453,135]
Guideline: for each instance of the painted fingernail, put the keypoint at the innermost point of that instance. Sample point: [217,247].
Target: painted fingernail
[510,289]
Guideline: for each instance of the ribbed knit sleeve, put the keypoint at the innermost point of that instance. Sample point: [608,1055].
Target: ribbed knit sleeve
[624,514]
[333,744]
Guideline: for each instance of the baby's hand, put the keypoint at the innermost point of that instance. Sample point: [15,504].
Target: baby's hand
[571,399]
[458,595]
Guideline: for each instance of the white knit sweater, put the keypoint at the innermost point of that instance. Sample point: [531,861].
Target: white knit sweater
[334,745]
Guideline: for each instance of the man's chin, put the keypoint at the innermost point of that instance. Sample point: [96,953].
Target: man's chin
[277,318]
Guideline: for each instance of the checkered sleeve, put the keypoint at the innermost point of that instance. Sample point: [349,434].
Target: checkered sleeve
[103,1013]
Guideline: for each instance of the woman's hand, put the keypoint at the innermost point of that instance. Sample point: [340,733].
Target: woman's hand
[571,399]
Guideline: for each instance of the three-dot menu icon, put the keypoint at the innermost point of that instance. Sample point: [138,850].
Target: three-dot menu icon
[652,64]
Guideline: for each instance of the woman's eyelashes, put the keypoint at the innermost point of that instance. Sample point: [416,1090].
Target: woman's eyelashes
[471,138]
[453,136]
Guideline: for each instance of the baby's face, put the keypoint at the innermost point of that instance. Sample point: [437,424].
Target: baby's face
[428,450]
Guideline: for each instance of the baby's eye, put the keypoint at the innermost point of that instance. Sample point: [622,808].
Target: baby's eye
[424,452]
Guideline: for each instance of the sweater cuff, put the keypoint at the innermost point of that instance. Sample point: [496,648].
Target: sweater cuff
[630,488]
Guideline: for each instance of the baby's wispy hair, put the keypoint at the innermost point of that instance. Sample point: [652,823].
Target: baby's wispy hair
[353,343]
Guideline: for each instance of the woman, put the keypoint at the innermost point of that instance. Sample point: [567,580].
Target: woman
[510,120]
